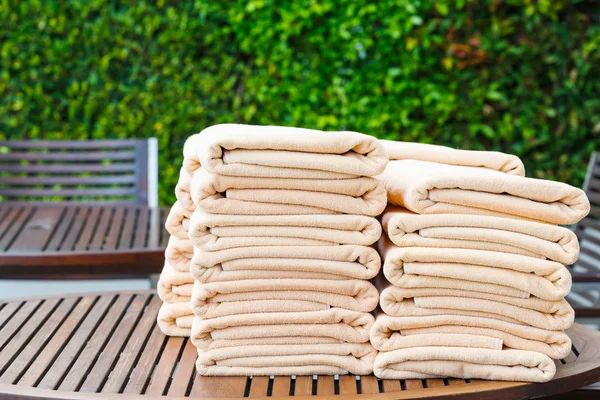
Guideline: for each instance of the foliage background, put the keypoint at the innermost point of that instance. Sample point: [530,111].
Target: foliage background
[518,76]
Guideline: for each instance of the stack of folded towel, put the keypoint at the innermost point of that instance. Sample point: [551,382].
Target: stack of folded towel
[474,262]
[282,223]
[176,282]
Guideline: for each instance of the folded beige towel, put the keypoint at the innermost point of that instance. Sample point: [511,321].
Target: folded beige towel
[299,359]
[283,152]
[283,340]
[534,239]
[431,188]
[335,323]
[178,221]
[212,232]
[344,261]
[550,315]
[418,281]
[179,253]
[545,279]
[215,299]
[183,190]
[494,160]
[174,286]
[175,319]
[237,195]
[392,333]
[464,363]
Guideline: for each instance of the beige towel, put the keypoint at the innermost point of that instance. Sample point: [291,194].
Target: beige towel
[550,315]
[335,323]
[545,279]
[431,188]
[212,232]
[183,190]
[179,253]
[345,261]
[299,359]
[223,194]
[392,333]
[175,319]
[493,160]
[282,152]
[178,221]
[407,229]
[174,286]
[464,363]
[215,299]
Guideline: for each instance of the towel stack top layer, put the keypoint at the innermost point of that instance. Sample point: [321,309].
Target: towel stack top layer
[473,280]
[282,226]
[433,188]
[282,152]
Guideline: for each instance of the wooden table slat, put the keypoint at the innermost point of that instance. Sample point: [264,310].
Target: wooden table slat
[369,384]
[138,338]
[100,232]
[218,386]
[8,311]
[455,381]
[15,227]
[391,385]
[325,385]
[165,367]
[117,340]
[62,229]
[88,228]
[128,232]
[76,228]
[18,319]
[41,335]
[88,340]
[412,384]
[281,386]
[348,384]
[115,229]
[185,371]
[26,332]
[8,218]
[304,386]
[141,229]
[50,352]
[3,212]
[259,386]
[38,230]
[431,383]
[141,375]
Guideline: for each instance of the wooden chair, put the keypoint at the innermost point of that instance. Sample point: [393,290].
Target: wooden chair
[109,171]
[585,295]
[587,268]
[80,209]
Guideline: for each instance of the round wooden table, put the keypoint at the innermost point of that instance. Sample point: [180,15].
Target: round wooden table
[107,345]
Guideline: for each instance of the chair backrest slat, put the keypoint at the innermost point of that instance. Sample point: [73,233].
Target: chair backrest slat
[74,156]
[75,171]
[71,144]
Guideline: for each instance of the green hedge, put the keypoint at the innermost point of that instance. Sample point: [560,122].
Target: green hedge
[517,76]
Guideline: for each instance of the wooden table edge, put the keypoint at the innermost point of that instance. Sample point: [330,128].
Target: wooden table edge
[85,294]
[587,365]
